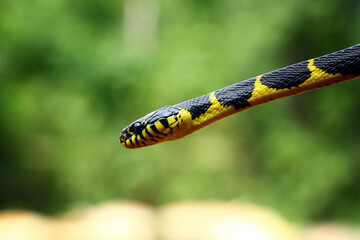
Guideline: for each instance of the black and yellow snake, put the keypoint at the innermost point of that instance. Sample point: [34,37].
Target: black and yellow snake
[177,121]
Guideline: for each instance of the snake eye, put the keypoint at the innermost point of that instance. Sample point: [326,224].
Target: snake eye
[136,128]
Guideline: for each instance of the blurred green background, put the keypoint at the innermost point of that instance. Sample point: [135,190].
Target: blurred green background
[74,73]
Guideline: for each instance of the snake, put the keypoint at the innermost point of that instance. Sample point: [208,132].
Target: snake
[173,122]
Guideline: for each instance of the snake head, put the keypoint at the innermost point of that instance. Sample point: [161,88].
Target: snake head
[156,127]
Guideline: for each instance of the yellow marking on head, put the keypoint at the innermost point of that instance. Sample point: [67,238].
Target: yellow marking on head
[133,140]
[174,124]
[150,130]
[184,116]
[166,131]
[185,122]
[171,120]
[145,134]
[159,126]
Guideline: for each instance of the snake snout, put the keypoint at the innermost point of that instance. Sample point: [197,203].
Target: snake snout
[122,138]
[125,135]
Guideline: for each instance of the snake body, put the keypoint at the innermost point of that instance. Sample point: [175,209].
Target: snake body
[177,121]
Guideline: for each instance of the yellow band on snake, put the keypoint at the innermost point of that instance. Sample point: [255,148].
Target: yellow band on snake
[177,121]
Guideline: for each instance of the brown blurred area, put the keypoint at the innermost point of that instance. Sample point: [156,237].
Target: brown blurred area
[192,220]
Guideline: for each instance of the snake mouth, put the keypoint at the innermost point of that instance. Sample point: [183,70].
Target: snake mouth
[124,137]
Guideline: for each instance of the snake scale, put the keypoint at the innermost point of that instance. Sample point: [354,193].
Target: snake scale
[177,121]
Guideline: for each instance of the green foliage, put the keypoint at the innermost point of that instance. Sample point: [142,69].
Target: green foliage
[74,73]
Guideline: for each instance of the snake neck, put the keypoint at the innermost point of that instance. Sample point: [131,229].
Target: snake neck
[291,80]
[202,111]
